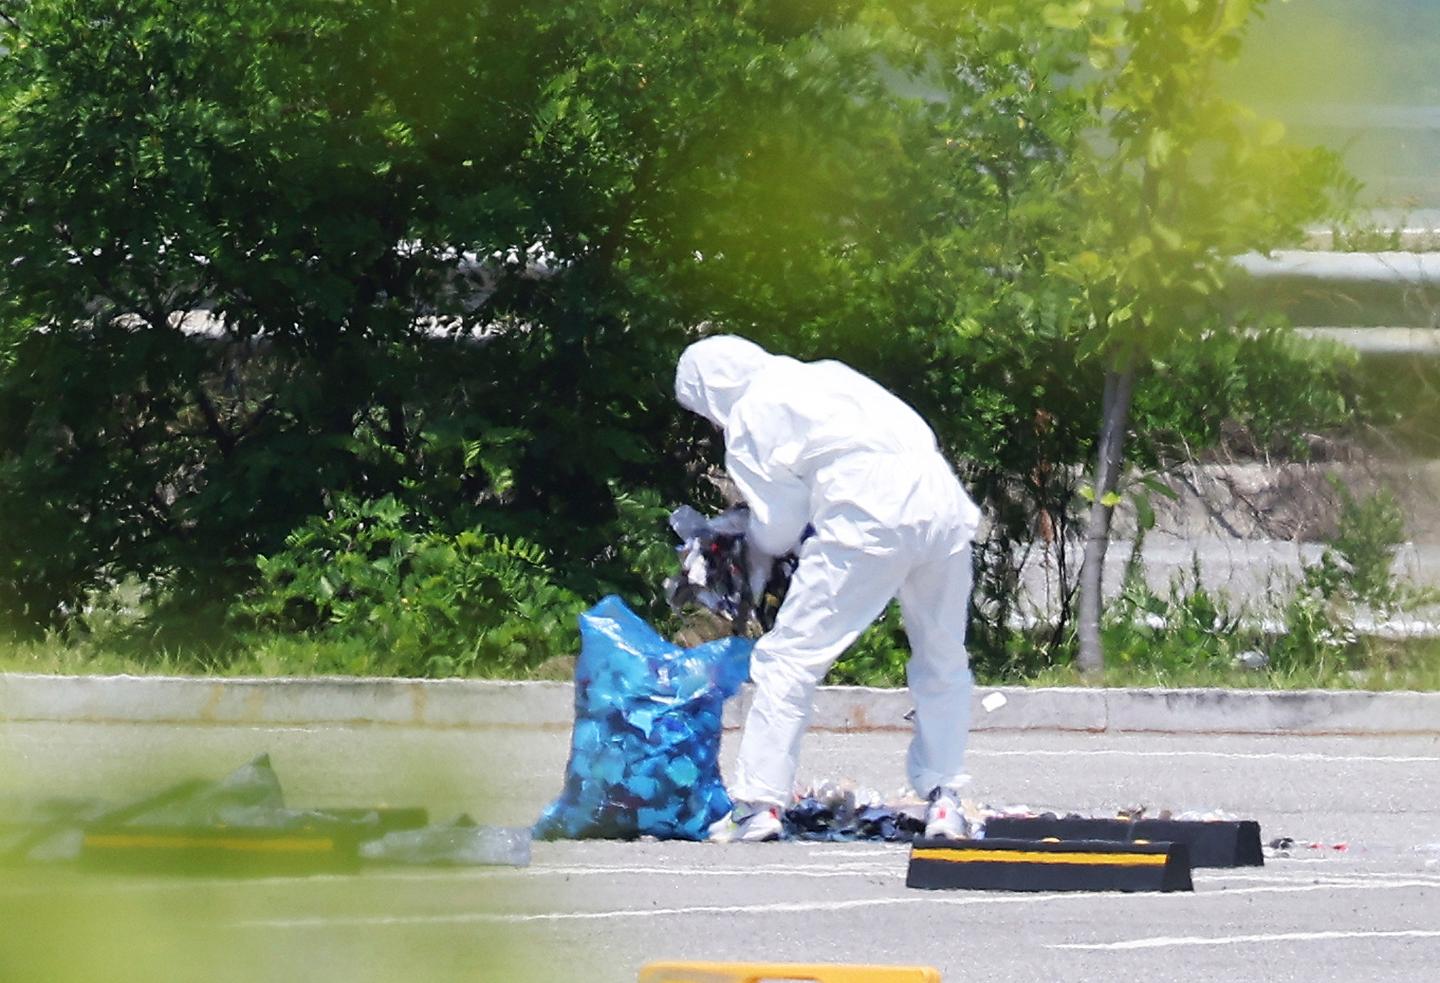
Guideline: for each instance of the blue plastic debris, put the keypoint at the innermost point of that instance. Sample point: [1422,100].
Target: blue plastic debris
[645,749]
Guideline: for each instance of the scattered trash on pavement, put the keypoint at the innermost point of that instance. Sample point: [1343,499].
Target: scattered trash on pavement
[994,702]
[842,812]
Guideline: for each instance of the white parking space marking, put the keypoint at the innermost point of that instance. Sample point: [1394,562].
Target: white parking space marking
[441,877]
[869,864]
[1164,942]
[1336,877]
[1216,755]
[805,907]
[848,870]
[565,916]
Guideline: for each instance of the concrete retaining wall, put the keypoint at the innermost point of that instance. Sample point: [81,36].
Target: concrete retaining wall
[483,704]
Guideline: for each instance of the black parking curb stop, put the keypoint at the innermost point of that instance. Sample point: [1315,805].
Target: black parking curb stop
[219,850]
[1031,865]
[1212,844]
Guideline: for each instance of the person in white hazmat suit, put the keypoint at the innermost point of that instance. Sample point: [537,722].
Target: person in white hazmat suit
[818,445]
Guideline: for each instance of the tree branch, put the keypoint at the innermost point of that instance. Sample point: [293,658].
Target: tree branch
[223,437]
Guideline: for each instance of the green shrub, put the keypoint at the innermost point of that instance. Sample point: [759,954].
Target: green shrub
[1191,634]
[1369,531]
[1186,631]
[434,603]
[878,656]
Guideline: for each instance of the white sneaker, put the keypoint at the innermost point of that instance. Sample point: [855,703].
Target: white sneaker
[944,818]
[748,823]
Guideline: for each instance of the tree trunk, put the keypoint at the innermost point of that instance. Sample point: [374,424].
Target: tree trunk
[1114,420]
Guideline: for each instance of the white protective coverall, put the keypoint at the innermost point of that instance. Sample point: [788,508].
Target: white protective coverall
[818,443]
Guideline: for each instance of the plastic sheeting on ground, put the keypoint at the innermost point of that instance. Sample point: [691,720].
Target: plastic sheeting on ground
[459,844]
[249,803]
[645,749]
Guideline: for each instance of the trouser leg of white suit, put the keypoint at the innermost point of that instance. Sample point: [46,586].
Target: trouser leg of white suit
[935,603]
[837,591]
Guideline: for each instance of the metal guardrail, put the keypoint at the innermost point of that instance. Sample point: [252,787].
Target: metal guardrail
[1380,304]
[1380,340]
[1397,268]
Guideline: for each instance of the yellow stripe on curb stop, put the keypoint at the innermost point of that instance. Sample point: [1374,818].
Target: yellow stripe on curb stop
[701,972]
[1040,857]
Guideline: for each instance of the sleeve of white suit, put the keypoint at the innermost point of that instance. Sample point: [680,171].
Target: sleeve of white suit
[779,501]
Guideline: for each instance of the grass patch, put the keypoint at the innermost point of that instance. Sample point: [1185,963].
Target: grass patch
[1185,636]
[1364,664]
[1372,665]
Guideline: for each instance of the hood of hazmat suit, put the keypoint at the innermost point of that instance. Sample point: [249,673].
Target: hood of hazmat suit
[819,444]
[713,374]
[808,441]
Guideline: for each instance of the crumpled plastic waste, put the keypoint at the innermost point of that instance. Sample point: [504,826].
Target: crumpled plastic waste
[248,796]
[811,820]
[712,562]
[645,748]
[1201,816]
[251,798]
[460,843]
[46,832]
[841,812]
[832,811]
[713,569]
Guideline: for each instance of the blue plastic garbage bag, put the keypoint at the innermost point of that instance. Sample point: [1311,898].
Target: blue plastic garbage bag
[645,750]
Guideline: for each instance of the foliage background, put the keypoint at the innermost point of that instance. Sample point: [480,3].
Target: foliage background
[454,249]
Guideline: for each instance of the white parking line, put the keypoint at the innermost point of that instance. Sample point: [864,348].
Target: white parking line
[1164,942]
[1222,755]
[846,870]
[452,876]
[1335,877]
[1207,877]
[829,852]
[804,907]
[566,916]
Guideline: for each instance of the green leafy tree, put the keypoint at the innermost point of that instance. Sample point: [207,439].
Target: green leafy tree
[1179,182]
[329,184]
[324,185]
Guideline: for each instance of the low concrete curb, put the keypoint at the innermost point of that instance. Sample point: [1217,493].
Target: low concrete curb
[484,704]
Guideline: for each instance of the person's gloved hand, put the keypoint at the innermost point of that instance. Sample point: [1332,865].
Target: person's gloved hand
[758,565]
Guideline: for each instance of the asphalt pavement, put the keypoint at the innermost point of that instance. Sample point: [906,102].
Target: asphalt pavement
[1357,898]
